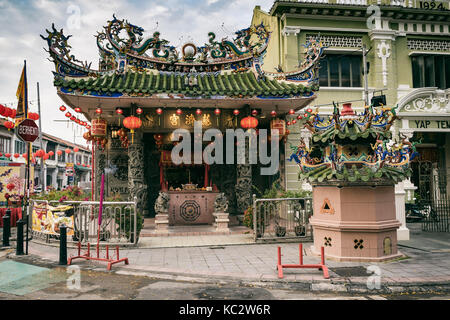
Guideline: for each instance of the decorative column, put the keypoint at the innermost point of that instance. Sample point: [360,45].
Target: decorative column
[400,196]
[100,164]
[306,136]
[244,184]
[291,46]
[136,178]
[384,59]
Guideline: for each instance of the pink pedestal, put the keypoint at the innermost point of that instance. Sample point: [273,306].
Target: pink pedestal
[355,222]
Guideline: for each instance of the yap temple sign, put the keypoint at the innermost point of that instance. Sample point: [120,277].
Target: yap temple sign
[27,130]
[428,124]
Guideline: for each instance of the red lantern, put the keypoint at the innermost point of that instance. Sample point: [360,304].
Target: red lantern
[288,123]
[40,153]
[119,111]
[309,110]
[62,108]
[299,117]
[132,123]
[2,109]
[77,109]
[73,118]
[179,111]
[217,111]
[273,113]
[291,111]
[33,116]
[51,153]
[98,110]
[254,112]
[236,112]
[76,149]
[68,114]
[8,112]
[24,155]
[14,112]
[46,156]
[8,155]
[68,150]
[59,152]
[9,124]
[16,155]
[294,121]
[249,122]
[198,111]
[1,154]
[98,127]
[139,111]
[159,111]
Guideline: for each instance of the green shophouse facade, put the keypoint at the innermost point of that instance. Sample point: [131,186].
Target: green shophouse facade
[408,58]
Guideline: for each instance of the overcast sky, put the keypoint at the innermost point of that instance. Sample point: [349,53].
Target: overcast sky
[23,21]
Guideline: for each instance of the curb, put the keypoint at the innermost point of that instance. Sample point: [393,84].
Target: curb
[347,285]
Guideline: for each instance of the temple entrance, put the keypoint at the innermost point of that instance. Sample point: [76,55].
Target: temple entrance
[235,181]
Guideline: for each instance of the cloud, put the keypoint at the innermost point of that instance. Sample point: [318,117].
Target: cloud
[24,20]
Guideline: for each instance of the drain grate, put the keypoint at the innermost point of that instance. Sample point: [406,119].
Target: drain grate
[351,271]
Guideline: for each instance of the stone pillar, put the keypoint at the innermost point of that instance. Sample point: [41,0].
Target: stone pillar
[291,47]
[136,179]
[306,136]
[384,58]
[402,231]
[100,164]
[244,184]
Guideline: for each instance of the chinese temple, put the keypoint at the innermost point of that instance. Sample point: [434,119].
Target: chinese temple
[145,88]
[353,164]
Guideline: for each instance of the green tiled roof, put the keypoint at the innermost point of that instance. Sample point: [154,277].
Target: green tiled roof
[354,174]
[350,132]
[237,84]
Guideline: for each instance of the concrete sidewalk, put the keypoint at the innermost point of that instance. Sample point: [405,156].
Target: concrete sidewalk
[427,266]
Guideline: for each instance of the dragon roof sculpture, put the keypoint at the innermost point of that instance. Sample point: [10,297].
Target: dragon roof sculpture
[151,65]
[347,146]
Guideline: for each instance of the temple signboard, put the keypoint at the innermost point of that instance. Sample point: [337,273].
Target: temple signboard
[430,124]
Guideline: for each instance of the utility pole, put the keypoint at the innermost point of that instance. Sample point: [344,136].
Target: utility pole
[366,80]
[42,173]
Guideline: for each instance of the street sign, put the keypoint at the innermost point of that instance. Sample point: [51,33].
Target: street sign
[27,130]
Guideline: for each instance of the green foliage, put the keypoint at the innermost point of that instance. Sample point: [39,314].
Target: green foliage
[71,193]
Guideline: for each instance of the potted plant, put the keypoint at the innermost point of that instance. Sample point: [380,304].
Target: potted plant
[280,231]
[248,222]
[300,228]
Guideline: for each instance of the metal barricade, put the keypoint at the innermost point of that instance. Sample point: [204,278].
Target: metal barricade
[282,218]
[118,226]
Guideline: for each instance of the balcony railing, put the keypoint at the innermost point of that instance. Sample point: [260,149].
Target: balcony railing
[422,4]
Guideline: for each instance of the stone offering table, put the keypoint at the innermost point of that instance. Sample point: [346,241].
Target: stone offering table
[191,207]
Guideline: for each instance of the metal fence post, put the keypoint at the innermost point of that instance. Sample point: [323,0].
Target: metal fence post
[255,230]
[19,248]
[63,245]
[6,228]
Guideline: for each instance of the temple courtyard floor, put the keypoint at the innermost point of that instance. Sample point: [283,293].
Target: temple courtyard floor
[189,265]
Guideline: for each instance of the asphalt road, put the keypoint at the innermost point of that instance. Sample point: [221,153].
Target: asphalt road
[97,285]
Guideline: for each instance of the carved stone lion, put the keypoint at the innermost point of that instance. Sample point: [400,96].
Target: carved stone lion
[162,203]
[221,203]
